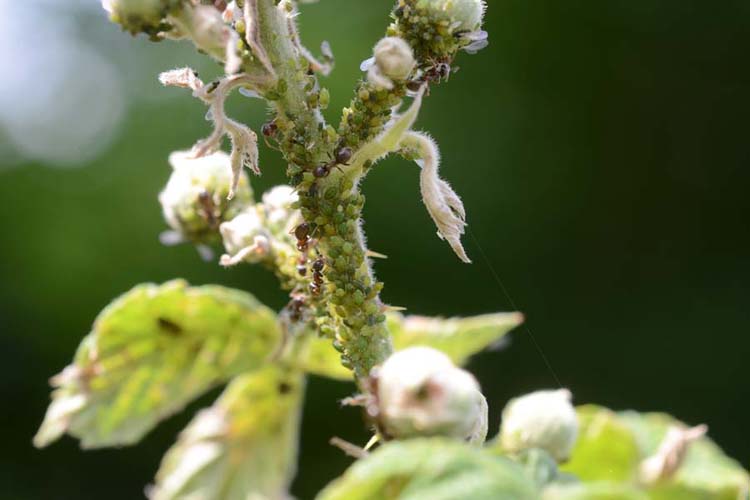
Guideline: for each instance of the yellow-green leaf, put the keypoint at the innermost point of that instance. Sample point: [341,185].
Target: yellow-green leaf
[459,338]
[150,352]
[598,490]
[706,473]
[612,446]
[434,469]
[606,449]
[243,447]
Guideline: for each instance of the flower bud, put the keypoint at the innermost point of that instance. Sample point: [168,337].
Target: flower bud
[466,15]
[245,238]
[421,393]
[394,58]
[542,419]
[194,201]
[139,16]
[279,214]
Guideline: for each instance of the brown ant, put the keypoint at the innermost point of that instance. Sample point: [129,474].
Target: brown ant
[269,131]
[341,157]
[302,265]
[317,278]
[318,265]
[302,233]
[437,72]
[296,307]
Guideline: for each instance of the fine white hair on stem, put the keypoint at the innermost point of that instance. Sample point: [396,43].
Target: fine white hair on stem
[244,140]
[442,202]
[390,138]
[252,35]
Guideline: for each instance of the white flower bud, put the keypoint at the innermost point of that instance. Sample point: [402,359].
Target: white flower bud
[467,14]
[277,203]
[245,238]
[194,201]
[394,58]
[542,419]
[139,15]
[421,393]
[206,28]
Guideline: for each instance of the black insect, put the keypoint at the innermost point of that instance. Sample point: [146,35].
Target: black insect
[302,233]
[296,307]
[440,71]
[435,73]
[317,278]
[322,170]
[318,265]
[302,265]
[341,156]
[269,129]
[312,191]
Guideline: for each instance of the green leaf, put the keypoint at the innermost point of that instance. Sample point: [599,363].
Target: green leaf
[459,338]
[431,468]
[611,447]
[606,448]
[151,352]
[600,490]
[323,360]
[706,473]
[243,447]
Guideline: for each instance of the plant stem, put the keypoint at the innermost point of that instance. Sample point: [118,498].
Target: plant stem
[331,204]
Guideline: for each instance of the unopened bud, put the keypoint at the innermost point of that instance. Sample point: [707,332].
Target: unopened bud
[394,58]
[466,15]
[245,238]
[277,204]
[421,393]
[194,201]
[542,419]
[139,16]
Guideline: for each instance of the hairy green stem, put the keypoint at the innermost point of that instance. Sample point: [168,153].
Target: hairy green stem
[331,204]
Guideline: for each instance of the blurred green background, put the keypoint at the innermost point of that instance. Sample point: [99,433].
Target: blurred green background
[600,148]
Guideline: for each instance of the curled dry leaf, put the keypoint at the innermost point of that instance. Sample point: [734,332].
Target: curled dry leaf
[442,202]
